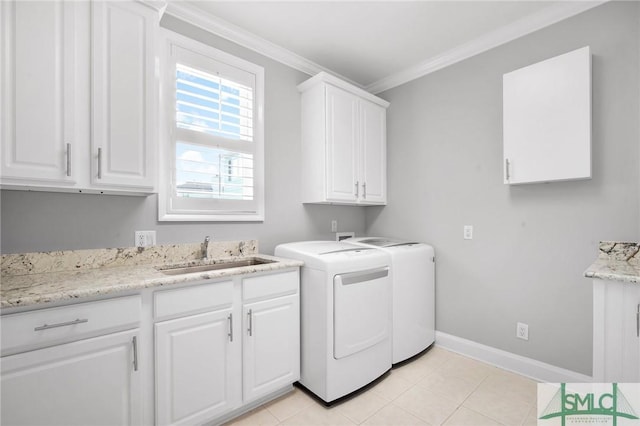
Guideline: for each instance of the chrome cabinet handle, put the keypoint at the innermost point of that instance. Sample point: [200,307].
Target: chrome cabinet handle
[230,334]
[68,159]
[60,324]
[357,189]
[250,329]
[99,163]
[364,190]
[506,168]
[638,321]
[135,353]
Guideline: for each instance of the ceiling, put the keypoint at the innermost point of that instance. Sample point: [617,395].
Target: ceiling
[367,42]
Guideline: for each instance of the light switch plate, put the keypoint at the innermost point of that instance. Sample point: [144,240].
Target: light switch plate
[468,232]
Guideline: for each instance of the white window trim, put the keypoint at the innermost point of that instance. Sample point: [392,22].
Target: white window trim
[167,123]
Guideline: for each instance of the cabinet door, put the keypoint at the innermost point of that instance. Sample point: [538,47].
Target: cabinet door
[342,145]
[631,349]
[37,91]
[88,382]
[197,368]
[271,356]
[123,94]
[616,341]
[373,153]
[547,120]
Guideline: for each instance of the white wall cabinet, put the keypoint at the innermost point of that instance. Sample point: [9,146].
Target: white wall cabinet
[38,89]
[343,143]
[78,96]
[124,87]
[59,376]
[616,331]
[547,120]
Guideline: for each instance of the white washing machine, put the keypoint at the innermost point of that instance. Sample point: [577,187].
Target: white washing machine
[413,289]
[345,315]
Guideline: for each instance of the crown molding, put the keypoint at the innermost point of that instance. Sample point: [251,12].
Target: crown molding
[548,16]
[502,35]
[222,28]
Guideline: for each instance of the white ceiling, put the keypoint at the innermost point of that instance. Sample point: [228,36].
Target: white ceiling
[368,42]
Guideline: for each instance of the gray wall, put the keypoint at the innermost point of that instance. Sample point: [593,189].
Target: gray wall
[39,221]
[531,243]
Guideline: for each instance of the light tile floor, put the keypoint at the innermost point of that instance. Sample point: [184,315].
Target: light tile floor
[437,388]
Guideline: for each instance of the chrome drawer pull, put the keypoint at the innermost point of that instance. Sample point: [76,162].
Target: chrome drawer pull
[99,163]
[135,353]
[506,168]
[68,159]
[61,324]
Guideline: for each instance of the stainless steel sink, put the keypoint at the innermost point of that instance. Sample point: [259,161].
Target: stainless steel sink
[179,270]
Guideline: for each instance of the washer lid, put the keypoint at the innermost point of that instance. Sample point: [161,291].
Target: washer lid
[385,242]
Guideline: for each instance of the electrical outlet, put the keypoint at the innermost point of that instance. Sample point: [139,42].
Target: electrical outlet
[522,331]
[468,232]
[145,238]
[334,225]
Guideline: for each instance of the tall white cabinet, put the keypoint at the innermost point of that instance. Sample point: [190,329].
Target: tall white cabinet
[343,143]
[79,85]
[616,331]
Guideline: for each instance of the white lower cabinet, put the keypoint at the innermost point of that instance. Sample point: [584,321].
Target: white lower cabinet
[271,353]
[197,362]
[88,382]
[219,348]
[616,331]
[232,343]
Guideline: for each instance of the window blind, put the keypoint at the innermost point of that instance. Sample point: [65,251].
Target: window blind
[209,104]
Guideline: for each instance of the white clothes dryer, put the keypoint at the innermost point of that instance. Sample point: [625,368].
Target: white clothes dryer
[413,289]
[345,315]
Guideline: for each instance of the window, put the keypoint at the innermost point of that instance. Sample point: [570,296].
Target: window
[212,105]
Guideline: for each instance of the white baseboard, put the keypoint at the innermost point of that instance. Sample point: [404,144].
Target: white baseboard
[528,367]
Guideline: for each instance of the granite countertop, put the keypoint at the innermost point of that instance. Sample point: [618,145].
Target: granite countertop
[617,261]
[31,279]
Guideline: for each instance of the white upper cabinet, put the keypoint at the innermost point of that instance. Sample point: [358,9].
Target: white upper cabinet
[123,98]
[38,89]
[547,120]
[373,166]
[343,143]
[79,87]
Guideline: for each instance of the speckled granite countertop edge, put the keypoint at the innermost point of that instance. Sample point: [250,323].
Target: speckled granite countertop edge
[32,279]
[617,261]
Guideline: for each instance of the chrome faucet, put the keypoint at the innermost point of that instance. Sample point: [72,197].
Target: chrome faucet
[205,248]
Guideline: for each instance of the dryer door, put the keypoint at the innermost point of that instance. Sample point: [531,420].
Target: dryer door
[361,310]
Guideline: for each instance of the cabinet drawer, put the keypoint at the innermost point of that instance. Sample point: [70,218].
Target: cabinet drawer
[199,298]
[46,327]
[270,285]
